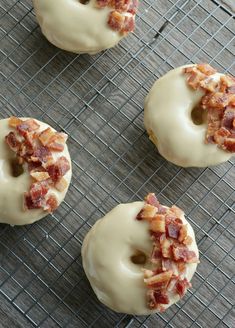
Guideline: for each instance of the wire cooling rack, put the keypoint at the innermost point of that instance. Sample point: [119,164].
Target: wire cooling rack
[98,102]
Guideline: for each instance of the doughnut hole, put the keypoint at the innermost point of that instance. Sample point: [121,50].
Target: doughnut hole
[84,2]
[198,115]
[138,258]
[16,168]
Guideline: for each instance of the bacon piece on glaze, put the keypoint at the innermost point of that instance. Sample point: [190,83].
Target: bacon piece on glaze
[156,253]
[103,3]
[14,122]
[182,253]
[159,281]
[128,25]
[214,118]
[169,265]
[229,144]
[122,5]
[12,141]
[166,247]
[157,297]
[158,223]
[61,185]
[40,176]
[151,199]
[42,154]
[217,100]
[34,199]
[53,140]
[206,69]
[173,230]
[116,21]
[30,204]
[58,169]
[27,126]
[148,212]
[228,118]
[181,286]
[51,203]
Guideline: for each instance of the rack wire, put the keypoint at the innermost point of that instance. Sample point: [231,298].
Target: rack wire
[98,101]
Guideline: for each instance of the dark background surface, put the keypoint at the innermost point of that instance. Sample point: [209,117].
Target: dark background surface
[98,101]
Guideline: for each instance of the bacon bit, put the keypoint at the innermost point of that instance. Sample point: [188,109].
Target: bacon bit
[116,21]
[27,126]
[166,246]
[183,233]
[181,267]
[42,154]
[128,25]
[30,204]
[151,199]
[181,286]
[206,69]
[61,185]
[182,253]
[173,230]
[58,169]
[147,213]
[159,281]
[51,203]
[57,142]
[218,101]
[158,223]
[188,240]
[148,273]
[12,141]
[102,3]
[156,253]
[161,297]
[40,176]
[14,121]
[46,135]
[169,265]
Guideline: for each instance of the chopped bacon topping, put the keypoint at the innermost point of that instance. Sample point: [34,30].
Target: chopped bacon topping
[218,102]
[35,147]
[170,253]
[122,17]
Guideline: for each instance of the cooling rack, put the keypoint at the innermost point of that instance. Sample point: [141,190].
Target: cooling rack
[98,101]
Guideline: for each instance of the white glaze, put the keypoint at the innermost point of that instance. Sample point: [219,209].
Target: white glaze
[76,27]
[106,252]
[12,188]
[167,115]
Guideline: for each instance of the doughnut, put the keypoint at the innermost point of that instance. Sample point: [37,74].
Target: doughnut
[85,26]
[35,170]
[140,257]
[189,114]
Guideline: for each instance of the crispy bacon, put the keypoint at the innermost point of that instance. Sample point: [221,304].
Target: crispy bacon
[61,185]
[181,286]
[12,141]
[27,126]
[116,21]
[103,3]
[147,213]
[156,253]
[40,176]
[151,199]
[166,246]
[14,121]
[128,25]
[206,69]
[133,7]
[58,169]
[159,281]
[158,223]
[182,253]
[51,203]
[173,230]
[42,154]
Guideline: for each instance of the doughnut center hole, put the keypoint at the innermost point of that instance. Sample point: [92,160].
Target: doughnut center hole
[16,168]
[84,2]
[138,258]
[198,115]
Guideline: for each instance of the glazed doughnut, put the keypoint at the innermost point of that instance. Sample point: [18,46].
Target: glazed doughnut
[140,257]
[190,116]
[35,170]
[82,26]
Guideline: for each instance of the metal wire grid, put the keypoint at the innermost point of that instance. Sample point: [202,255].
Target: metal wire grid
[98,101]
